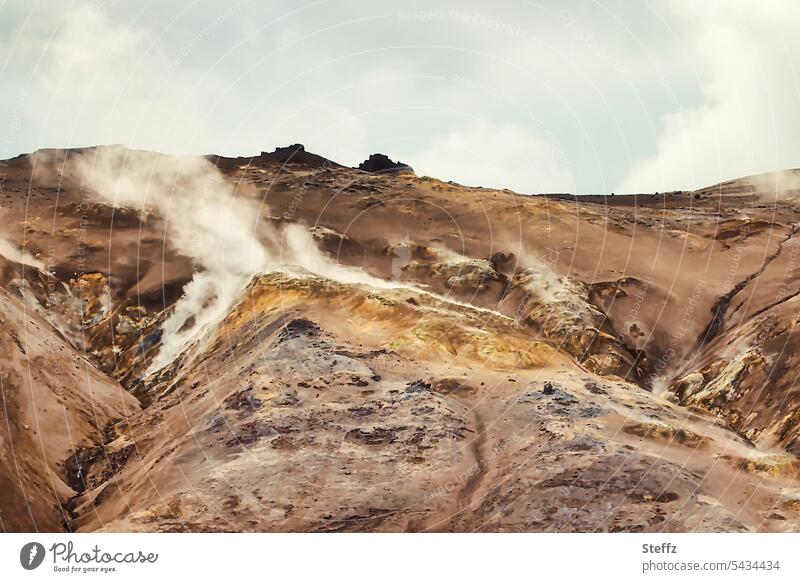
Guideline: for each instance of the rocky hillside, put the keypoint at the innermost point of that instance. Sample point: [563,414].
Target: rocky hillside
[281,343]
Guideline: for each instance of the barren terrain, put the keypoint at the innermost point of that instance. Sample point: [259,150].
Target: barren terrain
[372,350]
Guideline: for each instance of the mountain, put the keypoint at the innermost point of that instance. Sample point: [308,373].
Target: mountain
[282,343]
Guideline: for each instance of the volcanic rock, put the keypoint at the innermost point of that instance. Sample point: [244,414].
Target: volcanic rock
[380,163]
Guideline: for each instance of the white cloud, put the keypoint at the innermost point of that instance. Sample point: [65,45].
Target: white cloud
[324,128]
[577,96]
[86,45]
[99,80]
[501,156]
[750,121]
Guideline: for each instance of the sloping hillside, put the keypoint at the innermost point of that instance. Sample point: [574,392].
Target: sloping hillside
[332,349]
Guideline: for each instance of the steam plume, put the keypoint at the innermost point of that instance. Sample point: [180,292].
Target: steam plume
[208,222]
[12,253]
[205,221]
[221,231]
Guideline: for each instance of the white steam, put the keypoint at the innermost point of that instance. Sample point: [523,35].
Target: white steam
[538,275]
[222,232]
[204,221]
[12,253]
[502,155]
[299,248]
[208,222]
[776,185]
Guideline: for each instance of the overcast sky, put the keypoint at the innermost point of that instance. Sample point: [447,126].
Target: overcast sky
[587,97]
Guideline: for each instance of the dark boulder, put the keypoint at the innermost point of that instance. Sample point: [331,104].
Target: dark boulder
[297,154]
[381,163]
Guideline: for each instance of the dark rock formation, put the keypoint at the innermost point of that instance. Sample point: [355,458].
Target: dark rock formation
[378,163]
[297,154]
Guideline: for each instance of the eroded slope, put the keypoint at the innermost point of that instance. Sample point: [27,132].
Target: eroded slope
[501,363]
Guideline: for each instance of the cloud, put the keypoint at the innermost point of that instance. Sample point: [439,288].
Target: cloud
[639,95]
[86,45]
[94,78]
[500,156]
[750,121]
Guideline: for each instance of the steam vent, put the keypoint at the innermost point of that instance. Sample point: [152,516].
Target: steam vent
[573,308]
[297,334]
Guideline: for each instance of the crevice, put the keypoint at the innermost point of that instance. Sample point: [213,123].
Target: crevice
[775,304]
[720,309]
[477,448]
[76,470]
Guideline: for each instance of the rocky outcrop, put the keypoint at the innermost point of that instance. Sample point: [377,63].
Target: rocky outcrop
[559,308]
[471,390]
[725,388]
[380,163]
[53,402]
[431,264]
[296,154]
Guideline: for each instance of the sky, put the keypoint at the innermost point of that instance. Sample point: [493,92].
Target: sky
[585,97]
